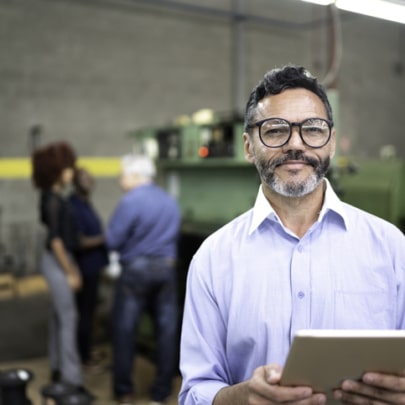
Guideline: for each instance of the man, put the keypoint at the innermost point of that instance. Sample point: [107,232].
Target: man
[144,230]
[300,259]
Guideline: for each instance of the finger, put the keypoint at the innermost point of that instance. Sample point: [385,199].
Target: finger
[263,385]
[278,393]
[316,399]
[272,373]
[387,381]
[355,399]
[364,392]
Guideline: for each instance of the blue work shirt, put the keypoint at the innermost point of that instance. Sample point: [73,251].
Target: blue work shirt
[253,284]
[93,260]
[146,222]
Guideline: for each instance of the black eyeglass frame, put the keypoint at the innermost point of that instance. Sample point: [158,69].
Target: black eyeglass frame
[291,125]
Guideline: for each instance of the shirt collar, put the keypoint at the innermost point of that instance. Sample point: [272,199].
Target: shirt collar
[263,209]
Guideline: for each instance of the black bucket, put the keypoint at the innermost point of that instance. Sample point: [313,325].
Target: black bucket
[13,385]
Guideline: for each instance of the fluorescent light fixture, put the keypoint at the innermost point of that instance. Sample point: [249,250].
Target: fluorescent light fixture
[321,2]
[385,9]
[375,8]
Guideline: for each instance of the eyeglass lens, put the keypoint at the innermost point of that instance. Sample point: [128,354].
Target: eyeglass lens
[276,132]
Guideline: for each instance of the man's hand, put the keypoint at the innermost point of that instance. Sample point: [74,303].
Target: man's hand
[263,388]
[374,388]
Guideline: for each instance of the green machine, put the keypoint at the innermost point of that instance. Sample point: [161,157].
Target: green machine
[376,186]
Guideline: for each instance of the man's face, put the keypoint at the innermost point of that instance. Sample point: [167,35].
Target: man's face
[294,169]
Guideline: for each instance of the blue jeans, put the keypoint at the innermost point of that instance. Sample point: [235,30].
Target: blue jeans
[146,283]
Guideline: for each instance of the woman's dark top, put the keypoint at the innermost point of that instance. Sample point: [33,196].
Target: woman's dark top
[90,261]
[56,214]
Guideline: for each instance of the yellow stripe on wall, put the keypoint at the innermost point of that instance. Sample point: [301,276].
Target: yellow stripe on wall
[15,168]
[20,168]
[101,166]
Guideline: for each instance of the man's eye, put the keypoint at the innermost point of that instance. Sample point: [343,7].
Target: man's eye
[313,130]
[276,131]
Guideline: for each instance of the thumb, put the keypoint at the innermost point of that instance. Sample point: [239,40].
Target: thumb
[273,373]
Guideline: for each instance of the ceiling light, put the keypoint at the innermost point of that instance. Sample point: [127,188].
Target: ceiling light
[385,9]
[375,8]
[321,2]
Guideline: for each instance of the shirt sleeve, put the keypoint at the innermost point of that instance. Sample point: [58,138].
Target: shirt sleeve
[120,224]
[54,218]
[203,353]
[397,244]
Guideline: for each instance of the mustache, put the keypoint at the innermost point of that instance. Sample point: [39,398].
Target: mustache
[293,155]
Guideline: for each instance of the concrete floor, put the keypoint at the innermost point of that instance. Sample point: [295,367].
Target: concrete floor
[98,383]
[24,309]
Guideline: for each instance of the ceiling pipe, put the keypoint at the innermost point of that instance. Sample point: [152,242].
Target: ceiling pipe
[203,11]
[330,79]
[238,62]
[233,14]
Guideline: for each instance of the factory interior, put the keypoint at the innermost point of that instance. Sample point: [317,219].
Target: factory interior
[171,78]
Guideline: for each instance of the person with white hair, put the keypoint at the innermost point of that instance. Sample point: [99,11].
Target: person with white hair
[144,230]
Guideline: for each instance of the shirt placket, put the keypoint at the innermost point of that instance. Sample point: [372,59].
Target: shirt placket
[300,288]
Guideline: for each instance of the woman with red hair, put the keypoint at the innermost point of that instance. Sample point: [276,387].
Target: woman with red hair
[53,168]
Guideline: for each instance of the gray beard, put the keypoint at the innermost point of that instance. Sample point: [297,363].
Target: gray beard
[293,188]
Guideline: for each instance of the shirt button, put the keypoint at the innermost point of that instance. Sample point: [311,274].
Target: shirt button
[301,295]
[300,249]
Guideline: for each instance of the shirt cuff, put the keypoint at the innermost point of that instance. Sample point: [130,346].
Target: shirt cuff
[203,393]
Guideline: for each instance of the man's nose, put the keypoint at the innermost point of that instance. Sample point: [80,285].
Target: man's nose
[295,140]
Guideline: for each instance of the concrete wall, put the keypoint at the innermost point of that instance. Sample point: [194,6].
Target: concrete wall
[92,71]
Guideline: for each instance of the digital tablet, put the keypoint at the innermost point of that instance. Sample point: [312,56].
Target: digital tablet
[322,359]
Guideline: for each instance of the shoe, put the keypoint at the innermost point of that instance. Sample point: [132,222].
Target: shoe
[55,376]
[86,392]
[127,399]
[98,354]
[94,367]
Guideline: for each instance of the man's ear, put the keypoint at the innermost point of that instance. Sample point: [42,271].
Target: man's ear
[248,147]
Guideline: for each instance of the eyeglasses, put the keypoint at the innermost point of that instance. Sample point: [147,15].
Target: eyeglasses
[276,132]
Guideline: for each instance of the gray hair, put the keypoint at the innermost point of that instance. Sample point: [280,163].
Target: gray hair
[138,164]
